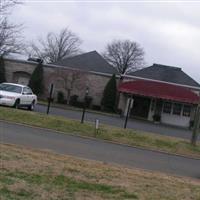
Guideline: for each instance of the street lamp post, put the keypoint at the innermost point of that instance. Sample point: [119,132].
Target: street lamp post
[84,107]
[50,99]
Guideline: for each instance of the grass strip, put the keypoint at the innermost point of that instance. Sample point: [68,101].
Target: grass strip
[129,136]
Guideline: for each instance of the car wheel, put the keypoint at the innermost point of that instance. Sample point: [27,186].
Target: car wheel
[16,105]
[32,106]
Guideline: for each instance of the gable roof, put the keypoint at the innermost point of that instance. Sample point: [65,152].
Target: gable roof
[167,74]
[91,61]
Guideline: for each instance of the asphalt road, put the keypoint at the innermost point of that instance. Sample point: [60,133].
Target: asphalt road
[119,122]
[98,150]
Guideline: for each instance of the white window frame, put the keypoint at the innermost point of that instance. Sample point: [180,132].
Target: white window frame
[171,107]
[181,111]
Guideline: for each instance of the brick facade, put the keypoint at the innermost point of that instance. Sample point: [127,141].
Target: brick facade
[69,81]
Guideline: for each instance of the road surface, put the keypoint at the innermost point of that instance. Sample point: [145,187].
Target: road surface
[98,150]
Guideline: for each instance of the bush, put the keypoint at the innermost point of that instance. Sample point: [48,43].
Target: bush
[80,104]
[156,118]
[191,124]
[88,101]
[73,100]
[60,97]
[65,101]
[36,80]
[96,107]
[109,95]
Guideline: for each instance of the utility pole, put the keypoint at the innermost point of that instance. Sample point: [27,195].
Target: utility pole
[130,105]
[196,126]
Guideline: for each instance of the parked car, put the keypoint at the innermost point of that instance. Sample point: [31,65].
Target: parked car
[16,95]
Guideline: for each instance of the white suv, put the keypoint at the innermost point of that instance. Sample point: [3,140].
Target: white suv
[16,95]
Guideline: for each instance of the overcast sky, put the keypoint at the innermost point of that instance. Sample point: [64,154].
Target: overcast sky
[168,32]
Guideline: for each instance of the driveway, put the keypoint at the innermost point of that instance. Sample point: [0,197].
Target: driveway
[119,122]
[98,150]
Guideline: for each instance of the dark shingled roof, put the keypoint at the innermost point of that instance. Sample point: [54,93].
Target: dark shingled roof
[167,74]
[91,61]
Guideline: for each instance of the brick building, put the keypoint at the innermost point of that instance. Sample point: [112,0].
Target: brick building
[71,75]
[159,90]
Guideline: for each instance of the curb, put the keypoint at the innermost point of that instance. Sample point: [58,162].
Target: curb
[99,139]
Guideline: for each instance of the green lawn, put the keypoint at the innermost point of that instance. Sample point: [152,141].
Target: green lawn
[130,137]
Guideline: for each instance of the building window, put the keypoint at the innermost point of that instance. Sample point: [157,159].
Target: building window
[186,110]
[167,107]
[177,109]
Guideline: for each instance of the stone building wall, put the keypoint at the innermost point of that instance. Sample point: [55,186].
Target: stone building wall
[97,84]
[64,79]
[13,67]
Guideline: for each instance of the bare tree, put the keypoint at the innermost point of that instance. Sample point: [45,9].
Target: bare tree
[70,81]
[73,79]
[5,5]
[10,38]
[10,34]
[56,46]
[126,56]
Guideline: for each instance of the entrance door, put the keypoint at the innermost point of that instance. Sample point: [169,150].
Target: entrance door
[159,104]
[141,107]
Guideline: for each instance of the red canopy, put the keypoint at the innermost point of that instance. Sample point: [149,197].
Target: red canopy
[159,90]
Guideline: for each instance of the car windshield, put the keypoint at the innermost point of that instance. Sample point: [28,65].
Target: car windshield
[10,88]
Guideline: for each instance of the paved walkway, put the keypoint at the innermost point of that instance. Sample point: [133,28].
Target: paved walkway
[119,122]
[98,150]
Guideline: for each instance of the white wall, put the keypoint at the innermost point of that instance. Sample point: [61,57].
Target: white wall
[170,118]
[177,120]
[122,103]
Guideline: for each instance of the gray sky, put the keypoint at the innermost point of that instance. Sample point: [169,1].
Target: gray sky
[169,32]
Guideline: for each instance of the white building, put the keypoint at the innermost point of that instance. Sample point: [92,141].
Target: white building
[160,93]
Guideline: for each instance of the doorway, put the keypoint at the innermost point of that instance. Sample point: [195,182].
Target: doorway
[140,107]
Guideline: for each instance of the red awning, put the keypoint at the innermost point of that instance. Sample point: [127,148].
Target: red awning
[159,90]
